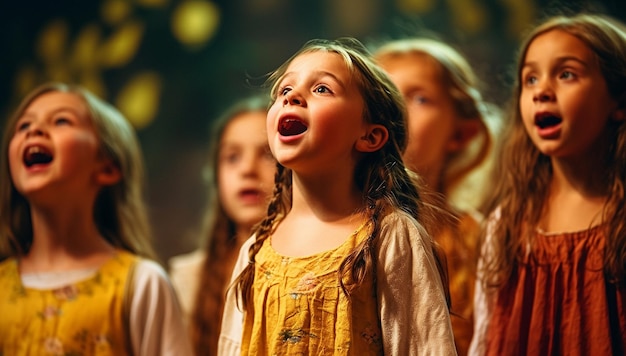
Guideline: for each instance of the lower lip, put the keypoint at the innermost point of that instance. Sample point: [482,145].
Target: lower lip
[250,199]
[549,132]
[290,139]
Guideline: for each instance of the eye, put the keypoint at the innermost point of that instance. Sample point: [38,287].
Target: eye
[22,125]
[530,79]
[322,89]
[566,74]
[62,121]
[283,91]
[419,99]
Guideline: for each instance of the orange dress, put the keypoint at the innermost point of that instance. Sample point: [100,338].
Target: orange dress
[460,247]
[560,302]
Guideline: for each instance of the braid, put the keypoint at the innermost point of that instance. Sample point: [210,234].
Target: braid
[275,210]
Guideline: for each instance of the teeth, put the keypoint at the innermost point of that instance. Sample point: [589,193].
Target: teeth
[34,149]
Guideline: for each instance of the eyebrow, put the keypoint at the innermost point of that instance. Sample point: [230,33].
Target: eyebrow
[70,109]
[317,73]
[560,61]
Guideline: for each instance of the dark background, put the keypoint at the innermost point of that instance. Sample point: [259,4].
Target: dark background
[192,83]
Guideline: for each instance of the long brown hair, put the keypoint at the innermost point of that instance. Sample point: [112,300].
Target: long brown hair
[524,172]
[381,175]
[221,245]
[120,212]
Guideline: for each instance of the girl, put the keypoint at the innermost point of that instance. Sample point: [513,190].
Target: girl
[552,272]
[240,177]
[339,265]
[448,145]
[79,279]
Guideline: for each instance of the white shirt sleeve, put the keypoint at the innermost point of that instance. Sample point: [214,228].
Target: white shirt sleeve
[414,316]
[156,321]
[483,300]
[231,331]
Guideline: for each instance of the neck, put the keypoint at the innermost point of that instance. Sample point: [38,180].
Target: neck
[63,236]
[329,199]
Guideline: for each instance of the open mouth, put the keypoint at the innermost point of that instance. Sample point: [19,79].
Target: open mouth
[544,121]
[36,155]
[291,127]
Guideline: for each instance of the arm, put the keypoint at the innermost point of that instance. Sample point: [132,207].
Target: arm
[156,321]
[414,316]
[231,330]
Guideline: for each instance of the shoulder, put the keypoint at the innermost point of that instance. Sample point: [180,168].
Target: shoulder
[186,264]
[149,275]
[400,223]
[401,232]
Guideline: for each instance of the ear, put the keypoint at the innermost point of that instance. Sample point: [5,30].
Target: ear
[464,132]
[373,139]
[108,174]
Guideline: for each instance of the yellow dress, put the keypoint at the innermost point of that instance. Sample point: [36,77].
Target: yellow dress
[89,317]
[299,307]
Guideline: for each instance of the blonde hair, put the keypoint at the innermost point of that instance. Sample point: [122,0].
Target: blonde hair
[119,213]
[524,172]
[463,87]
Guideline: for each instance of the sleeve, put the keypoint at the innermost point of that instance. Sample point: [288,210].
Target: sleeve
[231,330]
[483,301]
[414,315]
[156,320]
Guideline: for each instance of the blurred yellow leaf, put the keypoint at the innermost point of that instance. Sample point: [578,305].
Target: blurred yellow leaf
[138,100]
[51,44]
[25,80]
[194,22]
[121,47]
[92,80]
[469,16]
[114,12]
[85,51]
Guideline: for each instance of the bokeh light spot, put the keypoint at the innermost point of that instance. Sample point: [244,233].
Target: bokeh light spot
[85,47]
[52,41]
[114,12]
[194,22]
[138,100]
[122,46]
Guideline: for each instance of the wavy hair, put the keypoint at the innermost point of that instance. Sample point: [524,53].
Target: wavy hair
[524,172]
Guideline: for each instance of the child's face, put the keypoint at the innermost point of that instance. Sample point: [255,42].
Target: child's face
[431,115]
[55,148]
[246,169]
[317,116]
[564,99]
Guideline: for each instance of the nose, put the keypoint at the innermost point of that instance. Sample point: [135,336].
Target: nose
[35,129]
[248,165]
[543,92]
[293,98]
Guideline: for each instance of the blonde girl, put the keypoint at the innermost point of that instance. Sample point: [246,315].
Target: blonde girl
[340,265]
[79,278]
[552,271]
[449,145]
[239,177]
